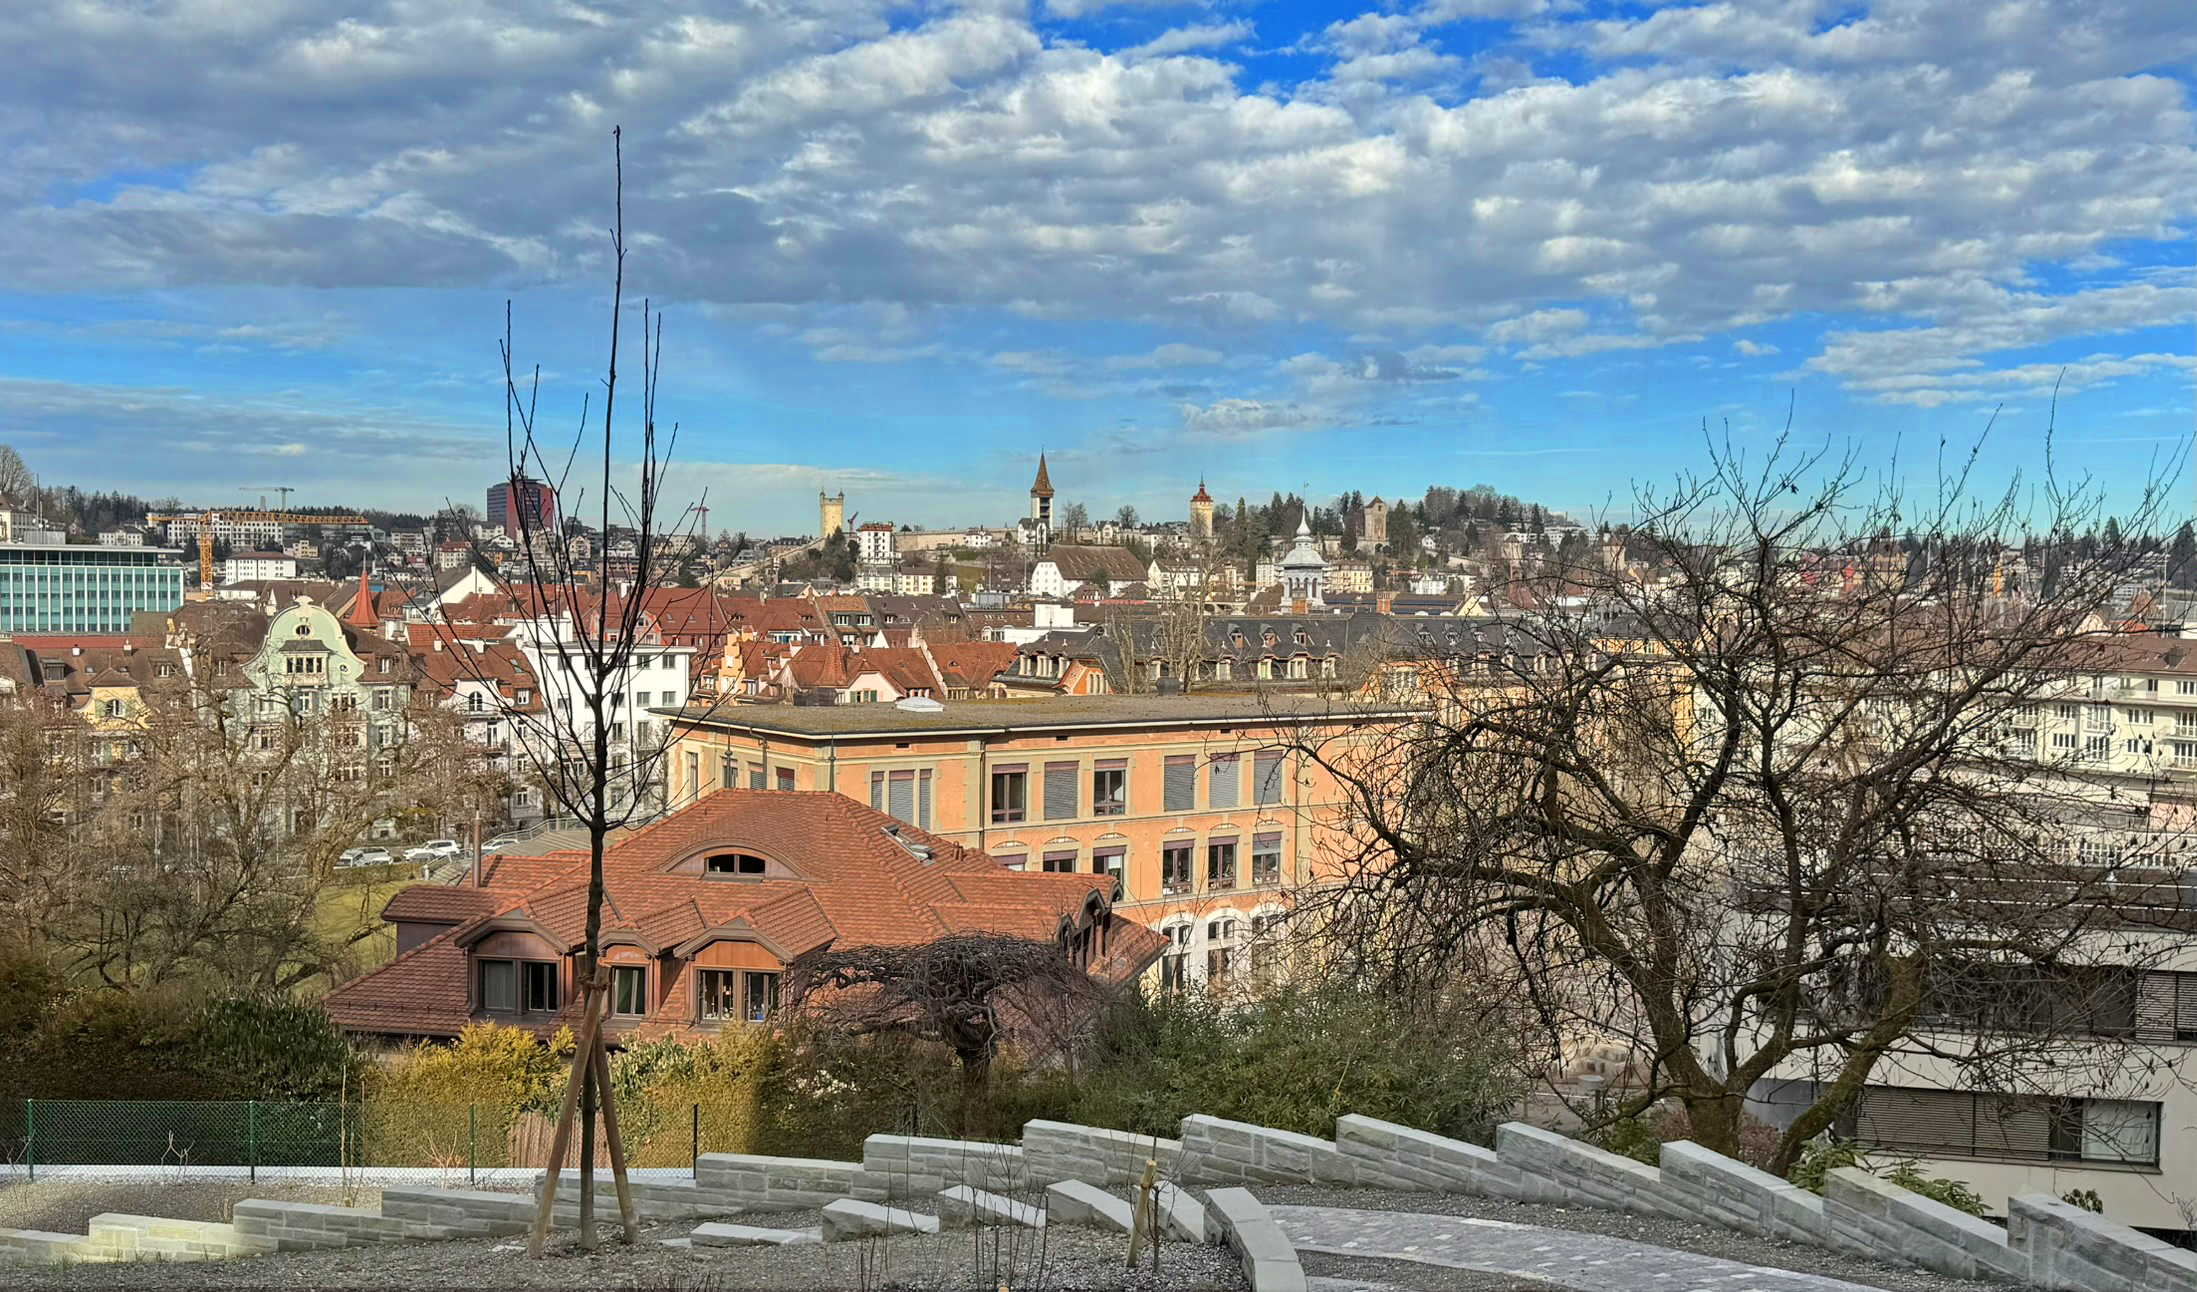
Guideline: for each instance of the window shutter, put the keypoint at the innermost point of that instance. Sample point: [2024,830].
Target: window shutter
[877,791]
[1226,782]
[1060,791]
[2011,1127]
[2185,1005]
[1924,1119]
[2157,1012]
[923,800]
[1266,776]
[901,797]
[1181,785]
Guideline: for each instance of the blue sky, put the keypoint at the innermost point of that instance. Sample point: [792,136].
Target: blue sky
[903,246]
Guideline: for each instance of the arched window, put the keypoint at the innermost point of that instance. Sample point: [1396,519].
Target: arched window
[733,863]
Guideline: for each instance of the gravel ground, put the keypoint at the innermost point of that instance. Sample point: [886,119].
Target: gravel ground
[1708,1241]
[1072,1258]
[63,1204]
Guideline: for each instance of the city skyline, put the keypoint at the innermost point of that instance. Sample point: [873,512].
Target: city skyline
[905,248]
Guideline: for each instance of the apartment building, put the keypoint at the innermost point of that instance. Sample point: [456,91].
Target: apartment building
[1192,803]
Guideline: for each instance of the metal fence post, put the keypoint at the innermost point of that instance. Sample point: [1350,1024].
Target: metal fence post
[30,1134]
[697,1168]
[251,1137]
[472,1141]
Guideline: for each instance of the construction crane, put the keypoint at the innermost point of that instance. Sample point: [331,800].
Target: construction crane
[282,504]
[206,520]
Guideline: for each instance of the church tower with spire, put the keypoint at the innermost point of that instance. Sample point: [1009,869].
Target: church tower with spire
[1041,505]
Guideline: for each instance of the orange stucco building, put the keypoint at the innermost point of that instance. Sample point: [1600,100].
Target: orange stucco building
[1192,802]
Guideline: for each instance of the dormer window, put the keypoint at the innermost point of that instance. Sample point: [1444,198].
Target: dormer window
[733,863]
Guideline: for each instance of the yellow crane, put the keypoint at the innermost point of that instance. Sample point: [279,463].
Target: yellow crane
[206,520]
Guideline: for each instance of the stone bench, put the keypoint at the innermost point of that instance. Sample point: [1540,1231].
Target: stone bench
[719,1234]
[1270,1263]
[1073,1202]
[853,1218]
[964,1205]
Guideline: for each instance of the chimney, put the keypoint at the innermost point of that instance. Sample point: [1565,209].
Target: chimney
[438,643]
[1385,603]
[1299,606]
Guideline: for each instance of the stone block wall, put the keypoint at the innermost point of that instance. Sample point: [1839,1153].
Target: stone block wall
[117,1237]
[901,1167]
[1569,1172]
[310,1226]
[2069,1248]
[1712,1187]
[1216,1151]
[1270,1263]
[1872,1217]
[1056,1151]
[1417,1160]
[465,1213]
[762,1183]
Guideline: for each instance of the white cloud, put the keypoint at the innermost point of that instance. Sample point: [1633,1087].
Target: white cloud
[873,176]
[1181,40]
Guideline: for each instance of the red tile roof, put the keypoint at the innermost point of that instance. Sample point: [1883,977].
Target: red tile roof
[841,874]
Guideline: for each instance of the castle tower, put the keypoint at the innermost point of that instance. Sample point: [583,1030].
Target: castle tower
[1201,514]
[1041,503]
[1376,525]
[831,513]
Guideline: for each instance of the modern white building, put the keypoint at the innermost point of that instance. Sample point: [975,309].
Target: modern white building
[658,677]
[260,566]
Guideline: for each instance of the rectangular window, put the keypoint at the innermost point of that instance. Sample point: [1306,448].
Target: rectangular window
[717,990]
[538,985]
[759,996]
[1010,794]
[1181,785]
[755,776]
[1266,776]
[629,990]
[499,986]
[728,772]
[1110,860]
[694,774]
[1060,791]
[900,796]
[1175,865]
[1061,862]
[1266,859]
[1220,863]
[1960,1123]
[1226,780]
[785,778]
[1110,788]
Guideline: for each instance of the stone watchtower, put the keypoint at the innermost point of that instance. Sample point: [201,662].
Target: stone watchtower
[1376,524]
[1201,515]
[831,513]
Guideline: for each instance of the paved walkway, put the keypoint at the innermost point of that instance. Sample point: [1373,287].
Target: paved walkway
[1566,1258]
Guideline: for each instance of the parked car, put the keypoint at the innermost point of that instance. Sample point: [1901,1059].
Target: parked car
[435,850]
[498,844]
[365,857]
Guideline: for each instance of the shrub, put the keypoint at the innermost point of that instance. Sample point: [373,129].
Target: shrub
[263,1047]
[1295,1060]
[1824,1154]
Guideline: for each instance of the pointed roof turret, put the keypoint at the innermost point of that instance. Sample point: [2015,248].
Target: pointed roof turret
[1043,487]
[363,616]
[1201,495]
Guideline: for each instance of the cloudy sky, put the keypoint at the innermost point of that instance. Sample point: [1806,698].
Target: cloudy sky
[902,246]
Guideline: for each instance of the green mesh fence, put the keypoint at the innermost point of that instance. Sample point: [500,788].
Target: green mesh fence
[37,1133]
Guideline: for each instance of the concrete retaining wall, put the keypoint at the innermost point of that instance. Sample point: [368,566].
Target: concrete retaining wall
[1418,1160]
[2067,1247]
[117,1237]
[776,1183]
[310,1226]
[1056,1151]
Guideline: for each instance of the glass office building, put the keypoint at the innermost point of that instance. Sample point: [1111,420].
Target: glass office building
[48,588]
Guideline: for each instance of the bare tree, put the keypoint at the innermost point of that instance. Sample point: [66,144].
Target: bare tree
[959,990]
[599,762]
[1776,811]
